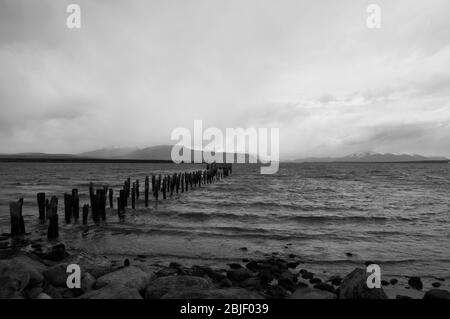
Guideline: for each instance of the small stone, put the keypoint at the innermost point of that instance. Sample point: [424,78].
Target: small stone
[292,264]
[308,275]
[43,295]
[385,283]
[126,262]
[436,284]
[415,283]
[174,265]
[252,265]
[315,281]
[393,281]
[243,248]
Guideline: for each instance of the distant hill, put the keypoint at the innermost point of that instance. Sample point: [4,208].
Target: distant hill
[375,157]
[38,155]
[159,152]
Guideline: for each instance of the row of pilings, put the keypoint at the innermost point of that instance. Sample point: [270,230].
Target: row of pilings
[156,187]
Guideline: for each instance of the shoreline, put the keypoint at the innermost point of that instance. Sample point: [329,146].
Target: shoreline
[36,268]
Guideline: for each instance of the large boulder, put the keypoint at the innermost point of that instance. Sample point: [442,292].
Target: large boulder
[415,282]
[131,276]
[163,285]
[437,294]
[97,266]
[33,267]
[311,293]
[354,286]
[113,291]
[12,280]
[228,293]
[57,275]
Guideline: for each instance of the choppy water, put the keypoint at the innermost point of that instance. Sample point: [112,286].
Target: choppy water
[396,214]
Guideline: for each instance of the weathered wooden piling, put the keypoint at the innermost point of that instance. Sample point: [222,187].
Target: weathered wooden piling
[120,208]
[75,204]
[85,214]
[68,208]
[41,206]
[123,197]
[153,184]
[52,215]
[17,222]
[111,198]
[146,190]
[101,198]
[95,209]
[137,189]
[164,187]
[133,196]
[47,208]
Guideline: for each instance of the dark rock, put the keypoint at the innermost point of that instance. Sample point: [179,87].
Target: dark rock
[385,283]
[87,282]
[245,260]
[349,254]
[235,266]
[97,266]
[51,291]
[225,283]
[174,265]
[33,267]
[252,265]
[142,256]
[57,253]
[302,284]
[303,271]
[126,262]
[369,262]
[292,264]
[266,275]
[311,293]
[239,274]
[415,283]
[354,286]
[163,285]
[315,281]
[308,275]
[436,284]
[335,280]
[437,294]
[292,255]
[229,293]
[243,248]
[286,280]
[393,281]
[324,286]
[402,297]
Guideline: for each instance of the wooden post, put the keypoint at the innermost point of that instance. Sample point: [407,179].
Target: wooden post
[67,208]
[17,223]
[147,185]
[120,208]
[47,208]
[137,189]
[111,204]
[75,204]
[95,209]
[182,182]
[133,196]
[41,206]
[52,214]
[123,197]
[85,214]
[164,187]
[153,184]
[101,197]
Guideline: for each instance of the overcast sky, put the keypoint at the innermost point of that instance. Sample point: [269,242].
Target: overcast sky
[138,69]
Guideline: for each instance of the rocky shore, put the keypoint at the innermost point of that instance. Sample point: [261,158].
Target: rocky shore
[33,269]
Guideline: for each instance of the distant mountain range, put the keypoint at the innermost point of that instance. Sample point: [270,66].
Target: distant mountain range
[153,153]
[374,157]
